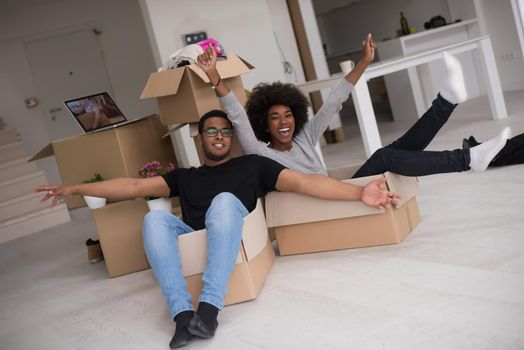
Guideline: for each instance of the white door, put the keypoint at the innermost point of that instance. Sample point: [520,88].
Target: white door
[66,66]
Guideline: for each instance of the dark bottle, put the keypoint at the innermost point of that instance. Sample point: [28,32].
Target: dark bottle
[404,27]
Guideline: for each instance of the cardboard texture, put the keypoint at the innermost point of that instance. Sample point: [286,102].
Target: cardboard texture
[236,150]
[116,152]
[119,227]
[304,224]
[184,94]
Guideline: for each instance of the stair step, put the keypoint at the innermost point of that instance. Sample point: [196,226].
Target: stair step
[8,136]
[12,151]
[21,186]
[21,205]
[16,168]
[33,222]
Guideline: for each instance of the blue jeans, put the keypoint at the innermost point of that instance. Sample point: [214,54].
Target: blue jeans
[406,155]
[224,221]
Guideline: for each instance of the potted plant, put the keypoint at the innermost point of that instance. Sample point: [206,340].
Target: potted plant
[92,201]
[152,169]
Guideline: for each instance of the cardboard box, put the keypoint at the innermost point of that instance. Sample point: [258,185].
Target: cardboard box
[116,152]
[119,227]
[303,224]
[184,94]
[252,267]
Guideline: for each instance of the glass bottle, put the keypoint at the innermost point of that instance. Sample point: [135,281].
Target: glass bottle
[404,27]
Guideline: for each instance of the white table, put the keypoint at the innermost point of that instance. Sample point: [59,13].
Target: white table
[362,100]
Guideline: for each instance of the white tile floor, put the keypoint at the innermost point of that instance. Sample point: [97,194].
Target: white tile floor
[457,282]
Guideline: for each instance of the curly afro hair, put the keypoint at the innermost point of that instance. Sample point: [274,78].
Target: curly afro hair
[265,95]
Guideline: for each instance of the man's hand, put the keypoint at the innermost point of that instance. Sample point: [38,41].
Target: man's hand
[374,195]
[56,191]
[368,49]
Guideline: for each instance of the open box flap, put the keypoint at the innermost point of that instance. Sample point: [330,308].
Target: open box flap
[255,235]
[163,83]
[45,152]
[231,67]
[406,186]
[193,246]
[343,172]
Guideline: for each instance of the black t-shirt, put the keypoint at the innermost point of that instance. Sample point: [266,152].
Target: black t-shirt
[247,177]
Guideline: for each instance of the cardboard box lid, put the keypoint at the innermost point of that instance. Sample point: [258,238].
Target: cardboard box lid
[406,186]
[292,208]
[45,152]
[193,246]
[343,172]
[48,149]
[168,82]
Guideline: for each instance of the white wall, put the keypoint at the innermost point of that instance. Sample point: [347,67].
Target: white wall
[500,25]
[498,21]
[283,28]
[123,40]
[243,27]
[344,28]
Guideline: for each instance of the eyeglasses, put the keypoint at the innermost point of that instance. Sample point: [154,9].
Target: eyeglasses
[212,132]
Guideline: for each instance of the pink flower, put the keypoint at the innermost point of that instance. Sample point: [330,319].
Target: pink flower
[154,168]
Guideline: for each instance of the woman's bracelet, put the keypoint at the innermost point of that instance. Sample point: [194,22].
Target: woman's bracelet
[218,82]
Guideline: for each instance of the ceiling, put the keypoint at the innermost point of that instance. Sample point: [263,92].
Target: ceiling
[11,5]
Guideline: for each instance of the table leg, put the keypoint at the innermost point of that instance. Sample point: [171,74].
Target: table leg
[366,117]
[493,87]
[416,89]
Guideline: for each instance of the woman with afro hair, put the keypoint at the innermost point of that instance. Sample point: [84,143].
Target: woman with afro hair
[278,126]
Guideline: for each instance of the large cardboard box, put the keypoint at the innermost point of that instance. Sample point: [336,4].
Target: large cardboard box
[184,94]
[119,227]
[116,152]
[303,224]
[252,267]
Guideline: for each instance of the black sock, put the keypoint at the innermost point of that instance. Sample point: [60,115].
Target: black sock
[208,313]
[182,320]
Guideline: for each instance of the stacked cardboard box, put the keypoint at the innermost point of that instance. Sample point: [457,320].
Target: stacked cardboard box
[184,94]
[116,152]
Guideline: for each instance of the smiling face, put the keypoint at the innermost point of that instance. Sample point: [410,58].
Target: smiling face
[217,147]
[281,127]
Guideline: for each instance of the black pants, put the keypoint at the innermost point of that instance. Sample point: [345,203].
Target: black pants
[512,153]
[406,155]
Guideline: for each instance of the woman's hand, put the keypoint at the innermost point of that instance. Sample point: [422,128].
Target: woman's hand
[207,61]
[374,195]
[368,54]
[368,49]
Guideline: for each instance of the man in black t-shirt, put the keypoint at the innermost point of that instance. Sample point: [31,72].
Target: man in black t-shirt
[217,196]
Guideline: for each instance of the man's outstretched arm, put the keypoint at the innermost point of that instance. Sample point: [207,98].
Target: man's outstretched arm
[373,194]
[114,189]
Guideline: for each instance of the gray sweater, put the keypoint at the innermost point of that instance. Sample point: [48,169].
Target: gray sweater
[302,156]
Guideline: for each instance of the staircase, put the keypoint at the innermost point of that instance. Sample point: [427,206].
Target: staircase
[21,212]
